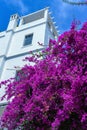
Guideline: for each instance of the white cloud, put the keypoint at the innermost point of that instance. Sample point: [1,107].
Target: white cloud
[65,13]
[61,11]
[22,8]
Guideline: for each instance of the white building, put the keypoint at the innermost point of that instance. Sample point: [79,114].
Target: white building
[22,35]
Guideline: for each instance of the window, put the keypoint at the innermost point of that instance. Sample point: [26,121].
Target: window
[20,74]
[28,39]
[17,76]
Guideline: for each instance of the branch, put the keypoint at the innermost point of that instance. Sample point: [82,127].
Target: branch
[75,3]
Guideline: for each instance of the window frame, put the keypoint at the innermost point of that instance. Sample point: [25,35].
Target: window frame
[25,39]
[18,73]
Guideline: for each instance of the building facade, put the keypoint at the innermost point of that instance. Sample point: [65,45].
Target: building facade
[22,35]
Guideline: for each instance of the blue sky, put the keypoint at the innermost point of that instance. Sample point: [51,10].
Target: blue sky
[63,13]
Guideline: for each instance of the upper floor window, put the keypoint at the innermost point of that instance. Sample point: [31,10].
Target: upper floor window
[28,39]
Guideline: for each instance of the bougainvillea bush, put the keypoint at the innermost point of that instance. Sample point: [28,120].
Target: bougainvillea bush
[51,94]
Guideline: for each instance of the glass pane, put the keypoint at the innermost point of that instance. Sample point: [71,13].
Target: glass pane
[28,39]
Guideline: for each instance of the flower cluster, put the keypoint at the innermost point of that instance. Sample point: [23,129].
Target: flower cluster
[51,94]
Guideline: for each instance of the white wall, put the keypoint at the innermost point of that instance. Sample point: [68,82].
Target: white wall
[12,50]
[10,64]
[2,45]
[17,41]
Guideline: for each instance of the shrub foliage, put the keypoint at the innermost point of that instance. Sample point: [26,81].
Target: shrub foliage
[51,94]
